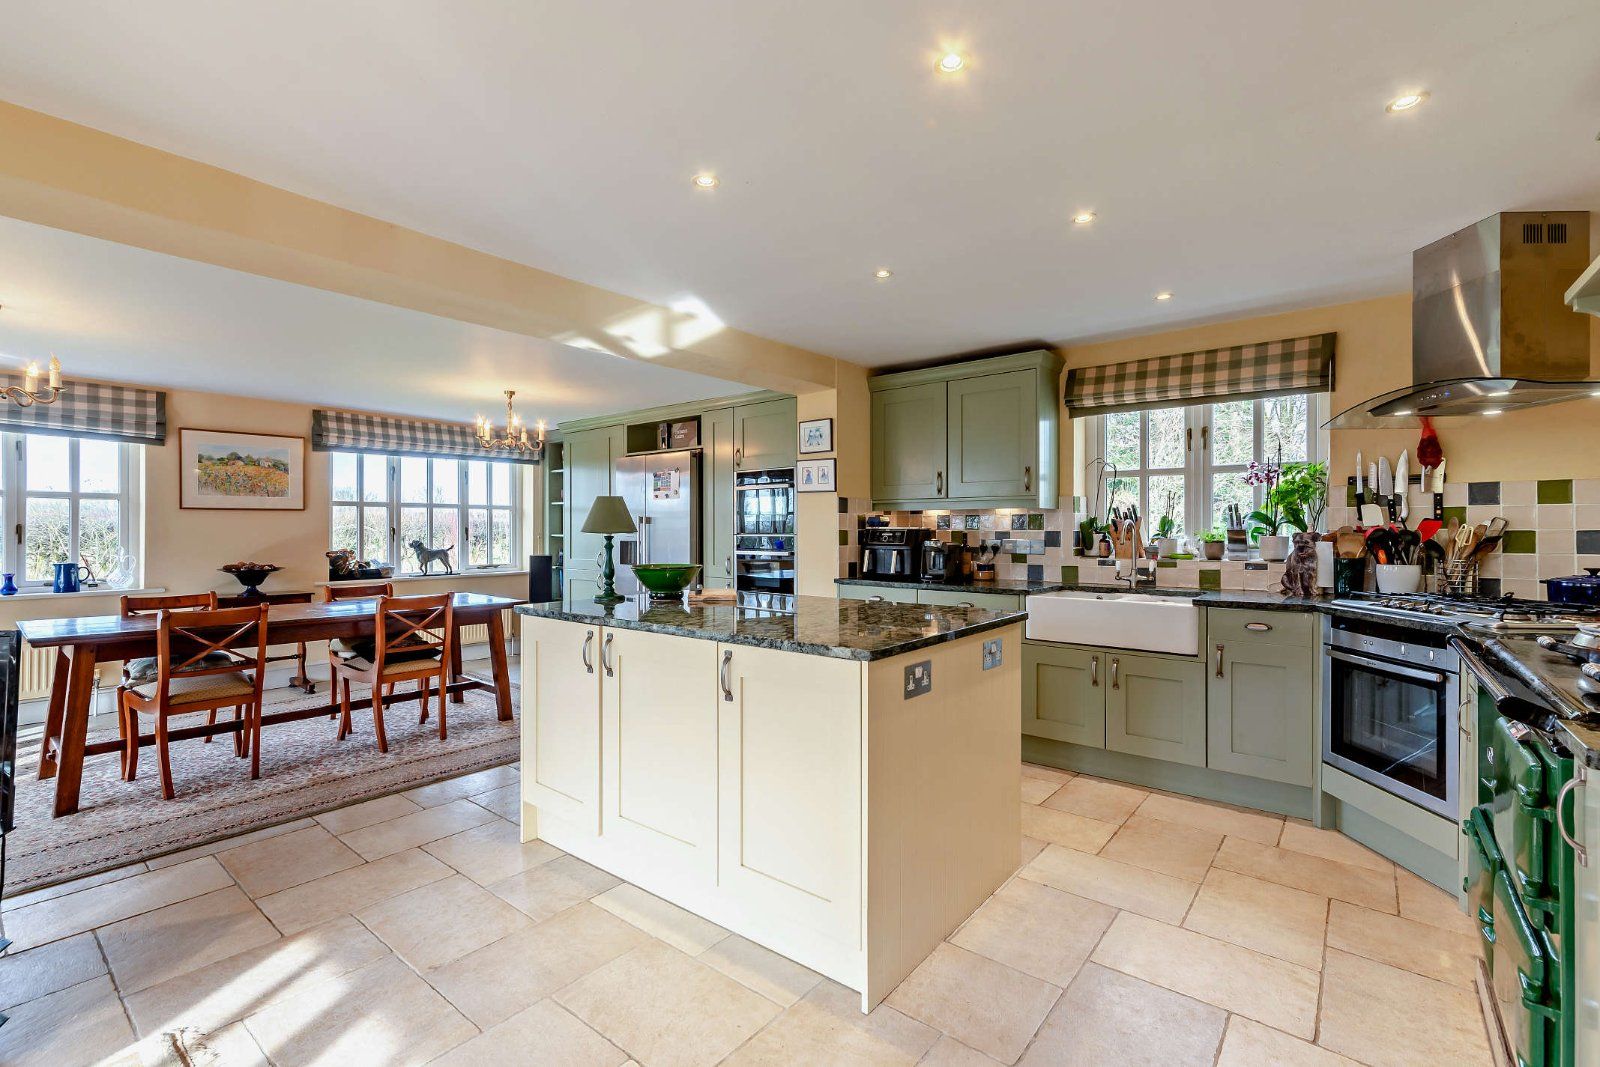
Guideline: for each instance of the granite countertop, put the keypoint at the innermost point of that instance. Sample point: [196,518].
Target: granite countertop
[999,585]
[1554,679]
[818,626]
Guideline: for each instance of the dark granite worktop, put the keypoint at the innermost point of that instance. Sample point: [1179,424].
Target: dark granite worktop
[818,626]
[999,585]
[1554,679]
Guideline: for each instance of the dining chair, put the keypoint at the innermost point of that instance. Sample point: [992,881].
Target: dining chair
[341,648]
[143,668]
[412,639]
[189,679]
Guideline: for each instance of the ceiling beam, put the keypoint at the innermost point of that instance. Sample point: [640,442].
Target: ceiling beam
[58,173]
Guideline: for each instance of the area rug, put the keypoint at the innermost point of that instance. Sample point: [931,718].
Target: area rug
[304,771]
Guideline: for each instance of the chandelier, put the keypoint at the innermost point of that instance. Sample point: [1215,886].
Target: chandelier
[515,437]
[29,393]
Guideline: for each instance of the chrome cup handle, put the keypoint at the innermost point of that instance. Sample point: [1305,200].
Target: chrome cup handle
[1580,775]
[588,643]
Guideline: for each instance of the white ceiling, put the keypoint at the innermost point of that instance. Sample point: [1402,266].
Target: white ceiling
[1238,154]
[111,311]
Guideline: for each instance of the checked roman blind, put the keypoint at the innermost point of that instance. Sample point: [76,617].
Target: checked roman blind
[350,431]
[99,410]
[1243,372]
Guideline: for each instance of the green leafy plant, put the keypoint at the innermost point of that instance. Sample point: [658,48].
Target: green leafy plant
[1165,526]
[1087,529]
[1301,495]
[1212,536]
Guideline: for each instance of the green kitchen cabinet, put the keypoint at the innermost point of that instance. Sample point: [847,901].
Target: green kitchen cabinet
[717,525]
[1261,695]
[765,435]
[992,436]
[908,443]
[1064,693]
[968,599]
[1156,707]
[591,457]
[893,594]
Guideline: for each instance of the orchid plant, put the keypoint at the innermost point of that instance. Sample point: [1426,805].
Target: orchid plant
[1267,519]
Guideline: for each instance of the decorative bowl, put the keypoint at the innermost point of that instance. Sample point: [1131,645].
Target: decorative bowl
[666,579]
[251,575]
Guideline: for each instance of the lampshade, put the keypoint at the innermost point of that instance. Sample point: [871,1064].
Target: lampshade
[609,515]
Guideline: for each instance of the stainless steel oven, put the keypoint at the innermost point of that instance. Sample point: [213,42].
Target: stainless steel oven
[1389,710]
[763,546]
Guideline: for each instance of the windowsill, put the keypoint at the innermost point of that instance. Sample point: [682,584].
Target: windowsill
[47,594]
[399,578]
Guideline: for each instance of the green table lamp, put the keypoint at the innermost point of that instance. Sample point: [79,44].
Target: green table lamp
[608,515]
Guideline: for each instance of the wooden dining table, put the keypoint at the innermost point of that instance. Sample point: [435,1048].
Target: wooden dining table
[82,643]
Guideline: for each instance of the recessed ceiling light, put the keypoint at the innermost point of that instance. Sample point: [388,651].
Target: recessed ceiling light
[1163,295]
[1083,218]
[1406,101]
[1491,411]
[950,63]
[883,274]
[705,180]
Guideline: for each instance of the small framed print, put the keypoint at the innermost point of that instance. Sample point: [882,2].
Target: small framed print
[814,475]
[816,435]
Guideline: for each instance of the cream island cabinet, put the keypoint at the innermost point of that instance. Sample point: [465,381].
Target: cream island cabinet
[839,785]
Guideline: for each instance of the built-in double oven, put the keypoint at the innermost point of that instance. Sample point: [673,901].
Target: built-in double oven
[1389,710]
[764,555]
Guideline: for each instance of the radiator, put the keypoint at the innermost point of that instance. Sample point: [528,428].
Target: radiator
[35,671]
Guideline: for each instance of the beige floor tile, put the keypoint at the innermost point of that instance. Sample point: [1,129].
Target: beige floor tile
[683,930]
[38,972]
[1218,818]
[379,1014]
[1265,916]
[497,981]
[431,796]
[349,891]
[1121,885]
[1181,851]
[1328,878]
[982,1004]
[82,1023]
[1106,1017]
[1386,1017]
[264,867]
[1425,902]
[61,889]
[1046,774]
[1037,790]
[367,813]
[1269,990]
[418,828]
[1065,828]
[948,1052]
[779,979]
[234,1047]
[826,1027]
[505,802]
[211,997]
[442,921]
[74,913]
[492,852]
[1036,930]
[1031,847]
[545,1035]
[1330,845]
[1098,799]
[182,937]
[214,847]
[1249,1044]
[1430,951]
[553,887]
[667,1009]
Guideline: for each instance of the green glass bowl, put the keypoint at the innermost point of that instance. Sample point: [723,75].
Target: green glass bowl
[666,579]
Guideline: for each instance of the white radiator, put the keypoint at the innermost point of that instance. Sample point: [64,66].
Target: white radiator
[38,666]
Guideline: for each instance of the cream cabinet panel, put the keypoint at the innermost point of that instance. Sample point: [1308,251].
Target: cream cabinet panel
[561,720]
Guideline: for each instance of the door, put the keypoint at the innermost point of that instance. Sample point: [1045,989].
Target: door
[1156,708]
[1262,711]
[659,749]
[561,720]
[590,456]
[993,436]
[1064,694]
[908,442]
[717,504]
[765,435]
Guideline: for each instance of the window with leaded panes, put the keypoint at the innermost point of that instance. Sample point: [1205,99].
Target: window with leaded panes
[383,506]
[67,500]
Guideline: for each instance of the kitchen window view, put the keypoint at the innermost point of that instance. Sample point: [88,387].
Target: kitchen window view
[66,498]
[382,504]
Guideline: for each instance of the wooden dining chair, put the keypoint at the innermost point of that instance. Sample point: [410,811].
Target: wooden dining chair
[189,679]
[412,642]
[143,668]
[341,648]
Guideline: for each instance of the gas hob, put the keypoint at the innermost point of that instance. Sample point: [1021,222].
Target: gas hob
[1503,614]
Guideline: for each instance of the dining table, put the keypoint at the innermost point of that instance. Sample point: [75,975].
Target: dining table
[82,643]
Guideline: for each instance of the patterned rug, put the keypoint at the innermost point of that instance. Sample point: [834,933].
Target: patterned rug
[304,771]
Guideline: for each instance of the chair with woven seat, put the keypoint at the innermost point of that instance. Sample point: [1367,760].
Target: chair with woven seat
[191,679]
[341,648]
[143,668]
[411,642]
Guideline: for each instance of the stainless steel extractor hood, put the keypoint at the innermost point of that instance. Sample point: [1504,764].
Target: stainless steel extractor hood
[1490,326]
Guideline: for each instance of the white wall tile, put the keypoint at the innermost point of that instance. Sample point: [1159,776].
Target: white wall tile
[1477,513]
[1513,566]
[1455,493]
[1586,491]
[1518,492]
[1520,516]
[1555,517]
[1557,566]
[1525,589]
[1586,517]
[1557,542]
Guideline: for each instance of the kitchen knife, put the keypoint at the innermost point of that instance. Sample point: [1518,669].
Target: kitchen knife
[1361,489]
[1402,485]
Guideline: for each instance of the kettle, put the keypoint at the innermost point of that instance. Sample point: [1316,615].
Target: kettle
[68,578]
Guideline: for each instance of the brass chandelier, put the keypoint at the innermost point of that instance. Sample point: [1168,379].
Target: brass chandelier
[28,394]
[515,436]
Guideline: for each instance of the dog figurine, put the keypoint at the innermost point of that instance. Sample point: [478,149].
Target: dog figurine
[1300,571]
[426,557]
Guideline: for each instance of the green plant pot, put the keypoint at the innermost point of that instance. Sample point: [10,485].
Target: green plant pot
[666,579]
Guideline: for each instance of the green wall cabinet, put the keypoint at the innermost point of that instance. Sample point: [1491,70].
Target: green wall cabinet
[1156,707]
[908,442]
[993,436]
[590,458]
[1261,690]
[1063,693]
[765,435]
[716,468]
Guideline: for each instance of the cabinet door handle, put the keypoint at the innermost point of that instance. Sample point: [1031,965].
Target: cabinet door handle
[605,656]
[873,599]
[738,456]
[1027,479]
[1258,627]
[1580,774]
[722,676]
[938,482]
[588,642]
[1116,680]
[1094,671]
[1219,661]
[966,604]
[730,566]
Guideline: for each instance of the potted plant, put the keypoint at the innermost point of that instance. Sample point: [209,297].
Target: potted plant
[1212,542]
[1088,531]
[1302,495]
[1167,525]
[1265,522]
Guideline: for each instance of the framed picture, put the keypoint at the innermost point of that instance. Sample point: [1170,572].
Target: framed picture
[814,475]
[816,435]
[224,471]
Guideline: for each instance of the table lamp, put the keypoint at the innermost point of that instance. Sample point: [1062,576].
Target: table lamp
[608,515]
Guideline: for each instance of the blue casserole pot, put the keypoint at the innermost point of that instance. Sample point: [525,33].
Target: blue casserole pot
[1578,589]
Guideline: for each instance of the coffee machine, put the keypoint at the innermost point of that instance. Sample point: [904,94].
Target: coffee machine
[943,561]
[892,553]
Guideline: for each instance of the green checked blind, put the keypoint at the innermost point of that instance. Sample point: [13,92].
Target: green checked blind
[1243,372]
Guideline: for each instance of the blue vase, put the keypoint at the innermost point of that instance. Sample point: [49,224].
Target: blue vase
[9,588]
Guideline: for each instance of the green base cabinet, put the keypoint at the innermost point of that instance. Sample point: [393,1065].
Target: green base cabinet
[987,601]
[1156,707]
[1063,694]
[893,595]
[1262,695]
[765,435]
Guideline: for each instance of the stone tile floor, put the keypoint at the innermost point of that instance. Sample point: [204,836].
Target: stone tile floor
[1142,928]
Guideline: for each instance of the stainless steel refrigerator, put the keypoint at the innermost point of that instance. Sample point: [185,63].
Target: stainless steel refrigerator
[663,494]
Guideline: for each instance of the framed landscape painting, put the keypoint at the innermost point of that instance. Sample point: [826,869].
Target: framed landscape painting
[241,471]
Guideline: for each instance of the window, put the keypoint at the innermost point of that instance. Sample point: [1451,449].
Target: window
[67,499]
[1189,462]
[381,504]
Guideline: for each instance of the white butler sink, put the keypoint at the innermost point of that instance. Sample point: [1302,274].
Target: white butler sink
[1116,620]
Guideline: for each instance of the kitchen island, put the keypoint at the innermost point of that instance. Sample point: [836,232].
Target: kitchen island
[838,784]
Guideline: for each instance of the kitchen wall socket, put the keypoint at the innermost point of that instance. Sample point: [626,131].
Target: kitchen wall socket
[991,654]
[919,679]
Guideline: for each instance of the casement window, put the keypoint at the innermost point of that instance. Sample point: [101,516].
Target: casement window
[1190,461]
[382,504]
[68,499]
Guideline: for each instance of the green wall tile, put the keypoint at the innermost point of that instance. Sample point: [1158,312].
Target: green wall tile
[1035,521]
[1555,491]
[1019,557]
[844,537]
[1210,578]
[1349,494]
[1520,542]
[1069,575]
[1167,563]
[1458,514]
